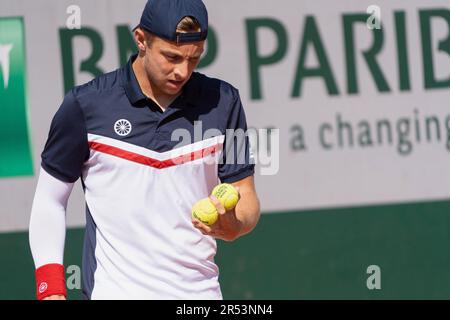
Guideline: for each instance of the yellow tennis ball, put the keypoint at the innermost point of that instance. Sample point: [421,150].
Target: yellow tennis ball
[205,211]
[227,195]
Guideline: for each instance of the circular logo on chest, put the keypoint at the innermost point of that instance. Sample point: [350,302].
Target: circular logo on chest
[122,127]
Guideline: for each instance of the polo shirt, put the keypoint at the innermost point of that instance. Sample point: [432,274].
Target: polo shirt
[141,170]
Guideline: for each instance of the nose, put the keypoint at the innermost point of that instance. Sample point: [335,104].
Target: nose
[181,71]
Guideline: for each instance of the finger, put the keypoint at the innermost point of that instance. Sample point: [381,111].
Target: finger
[220,209]
[201,226]
[214,232]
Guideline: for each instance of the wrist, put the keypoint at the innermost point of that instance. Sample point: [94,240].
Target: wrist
[50,280]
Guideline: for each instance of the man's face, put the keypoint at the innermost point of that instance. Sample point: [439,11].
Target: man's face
[169,65]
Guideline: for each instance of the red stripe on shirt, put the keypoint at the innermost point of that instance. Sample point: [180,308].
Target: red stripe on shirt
[135,157]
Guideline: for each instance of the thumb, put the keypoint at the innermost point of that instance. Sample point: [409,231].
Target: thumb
[217,204]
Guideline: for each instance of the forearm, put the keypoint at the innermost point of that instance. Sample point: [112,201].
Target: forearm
[48,221]
[247,211]
[47,235]
[48,228]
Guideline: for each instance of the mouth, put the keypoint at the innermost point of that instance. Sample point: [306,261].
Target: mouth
[175,84]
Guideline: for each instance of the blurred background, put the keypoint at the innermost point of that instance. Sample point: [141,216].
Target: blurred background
[354,177]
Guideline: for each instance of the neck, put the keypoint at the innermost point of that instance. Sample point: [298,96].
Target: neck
[161,99]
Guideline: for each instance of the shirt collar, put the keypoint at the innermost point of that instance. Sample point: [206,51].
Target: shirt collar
[135,95]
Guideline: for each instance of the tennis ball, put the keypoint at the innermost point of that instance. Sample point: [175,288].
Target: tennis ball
[205,211]
[227,195]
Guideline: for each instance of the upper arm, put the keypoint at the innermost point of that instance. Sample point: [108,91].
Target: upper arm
[237,161]
[67,147]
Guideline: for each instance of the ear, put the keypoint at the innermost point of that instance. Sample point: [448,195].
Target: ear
[140,39]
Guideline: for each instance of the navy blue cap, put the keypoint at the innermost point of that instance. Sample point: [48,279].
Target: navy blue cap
[161,18]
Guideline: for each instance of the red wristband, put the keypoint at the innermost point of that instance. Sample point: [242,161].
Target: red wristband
[50,280]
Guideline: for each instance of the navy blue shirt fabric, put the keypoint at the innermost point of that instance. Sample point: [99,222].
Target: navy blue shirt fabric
[95,107]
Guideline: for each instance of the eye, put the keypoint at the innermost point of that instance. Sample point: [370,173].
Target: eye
[171,57]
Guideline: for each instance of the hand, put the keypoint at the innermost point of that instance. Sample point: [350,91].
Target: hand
[227,227]
[55,297]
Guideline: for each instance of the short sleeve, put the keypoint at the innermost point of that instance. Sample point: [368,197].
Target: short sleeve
[67,147]
[237,162]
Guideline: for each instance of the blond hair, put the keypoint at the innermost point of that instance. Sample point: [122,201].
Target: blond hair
[188,24]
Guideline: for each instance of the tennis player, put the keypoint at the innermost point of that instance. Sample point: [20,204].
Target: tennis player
[120,133]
